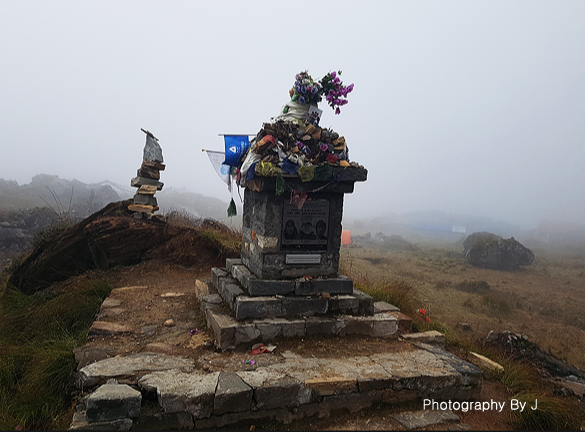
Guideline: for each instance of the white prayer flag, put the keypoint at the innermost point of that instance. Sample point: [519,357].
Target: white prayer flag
[222,170]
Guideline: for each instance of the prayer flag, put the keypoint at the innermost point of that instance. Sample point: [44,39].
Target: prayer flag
[222,170]
[236,147]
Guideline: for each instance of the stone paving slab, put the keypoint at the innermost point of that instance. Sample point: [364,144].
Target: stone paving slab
[130,366]
[290,386]
[178,391]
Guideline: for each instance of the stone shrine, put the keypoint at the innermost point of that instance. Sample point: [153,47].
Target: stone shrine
[286,282]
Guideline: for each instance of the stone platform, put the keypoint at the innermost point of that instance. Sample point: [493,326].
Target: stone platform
[220,389]
[263,310]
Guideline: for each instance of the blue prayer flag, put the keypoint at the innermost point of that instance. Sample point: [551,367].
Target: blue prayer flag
[236,147]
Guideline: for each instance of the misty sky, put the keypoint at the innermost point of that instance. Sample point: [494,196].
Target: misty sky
[475,108]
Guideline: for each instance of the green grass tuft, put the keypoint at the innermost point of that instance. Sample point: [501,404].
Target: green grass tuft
[38,334]
[551,413]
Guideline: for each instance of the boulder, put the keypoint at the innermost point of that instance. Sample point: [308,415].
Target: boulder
[488,250]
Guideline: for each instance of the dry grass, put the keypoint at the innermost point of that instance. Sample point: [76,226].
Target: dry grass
[545,301]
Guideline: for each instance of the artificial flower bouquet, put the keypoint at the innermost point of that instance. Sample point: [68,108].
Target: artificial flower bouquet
[293,144]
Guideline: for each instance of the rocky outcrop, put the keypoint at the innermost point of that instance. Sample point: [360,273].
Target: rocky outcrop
[488,250]
[109,238]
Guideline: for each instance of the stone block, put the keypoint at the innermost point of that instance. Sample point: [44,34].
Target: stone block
[104,328]
[428,337]
[277,394]
[366,302]
[232,394]
[261,287]
[382,306]
[212,298]
[344,304]
[201,288]
[273,328]
[216,274]
[230,262]
[327,386]
[223,327]
[246,334]
[240,272]
[257,307]
[335,285]
[484,363]
[229,290]
[293,328]
[113,402]
[141,181]
[148,172]
[320,325]
[144,200]
[177,391]
[404,322]
[303,306]
[380,325]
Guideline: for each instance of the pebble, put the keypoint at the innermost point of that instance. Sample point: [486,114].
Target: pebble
[169,323]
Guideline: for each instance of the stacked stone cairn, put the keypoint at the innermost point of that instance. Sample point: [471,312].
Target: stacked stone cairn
[144,204]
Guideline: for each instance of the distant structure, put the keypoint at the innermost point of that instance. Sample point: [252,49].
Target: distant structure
[144,204]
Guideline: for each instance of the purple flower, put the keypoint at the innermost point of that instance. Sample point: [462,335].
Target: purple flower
[302,100]
[350,88]
[299,144]
[337,110]
[297,88]
[314,90]
[333,74]
[324,147]
[337,80]
[303,89]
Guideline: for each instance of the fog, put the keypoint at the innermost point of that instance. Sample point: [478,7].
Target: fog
[474,108]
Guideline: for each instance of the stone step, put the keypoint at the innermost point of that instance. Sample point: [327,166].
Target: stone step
[301,286]
[230,333]
[246,306]
[286,387]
